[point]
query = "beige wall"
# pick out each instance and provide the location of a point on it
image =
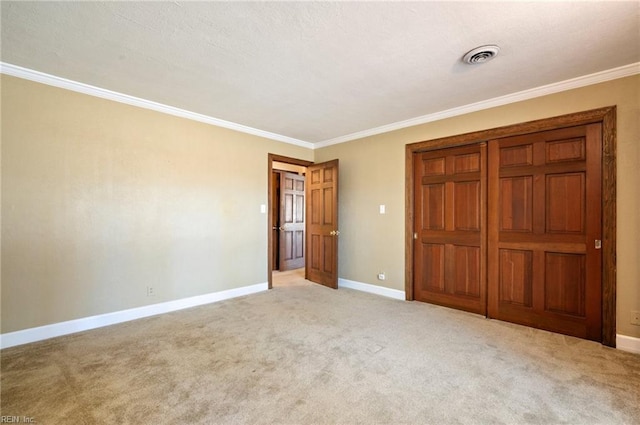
(101, 199)
(372, 173)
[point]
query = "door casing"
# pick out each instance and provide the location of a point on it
(606, 116)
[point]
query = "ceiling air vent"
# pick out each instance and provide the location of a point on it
(481, 54)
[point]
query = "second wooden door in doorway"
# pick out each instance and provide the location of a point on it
(291, 221)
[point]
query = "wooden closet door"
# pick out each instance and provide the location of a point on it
(449, 221)
(544, 225)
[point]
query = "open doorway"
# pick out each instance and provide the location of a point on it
(286, 221)
(288, 210)
(321, 220)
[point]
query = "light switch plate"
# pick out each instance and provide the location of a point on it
(383, 209)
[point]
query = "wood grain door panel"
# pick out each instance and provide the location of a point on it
(292, 221)
(544, 219)
(322, 223)
(545, 270)
(449, 247)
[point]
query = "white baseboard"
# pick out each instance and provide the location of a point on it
(26, 336)
(628, 343)
(374, 289)
(40, 333)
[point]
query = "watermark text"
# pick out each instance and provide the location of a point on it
(6, 419)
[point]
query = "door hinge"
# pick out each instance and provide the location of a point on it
(415, 236)
(598, 244)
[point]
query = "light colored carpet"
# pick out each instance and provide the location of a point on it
(305, 354)
(289, 278)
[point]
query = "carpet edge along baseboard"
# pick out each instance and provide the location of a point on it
(53, 330)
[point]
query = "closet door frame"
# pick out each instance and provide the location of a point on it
(606, 116)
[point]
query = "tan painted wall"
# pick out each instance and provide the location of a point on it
(101, 199)
(372, 173)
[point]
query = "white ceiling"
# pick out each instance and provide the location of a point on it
(318, 71)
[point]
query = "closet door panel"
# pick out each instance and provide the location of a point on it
(450, 205)
(544, 265)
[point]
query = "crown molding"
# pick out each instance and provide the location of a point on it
(52, 80)
(574, 83)
(587, 80)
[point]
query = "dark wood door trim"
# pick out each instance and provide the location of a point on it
(606, 116)
(275, 210)
(271, 158)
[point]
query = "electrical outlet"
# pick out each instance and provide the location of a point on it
(150, 291)
(635, 318)
(381, 276)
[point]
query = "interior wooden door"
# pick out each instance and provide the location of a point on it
(292, 221)
(449, 217)
(322, 224)
(544, 230)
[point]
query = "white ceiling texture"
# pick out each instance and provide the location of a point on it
(317, 73)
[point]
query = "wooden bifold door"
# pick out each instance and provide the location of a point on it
(511, 228)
